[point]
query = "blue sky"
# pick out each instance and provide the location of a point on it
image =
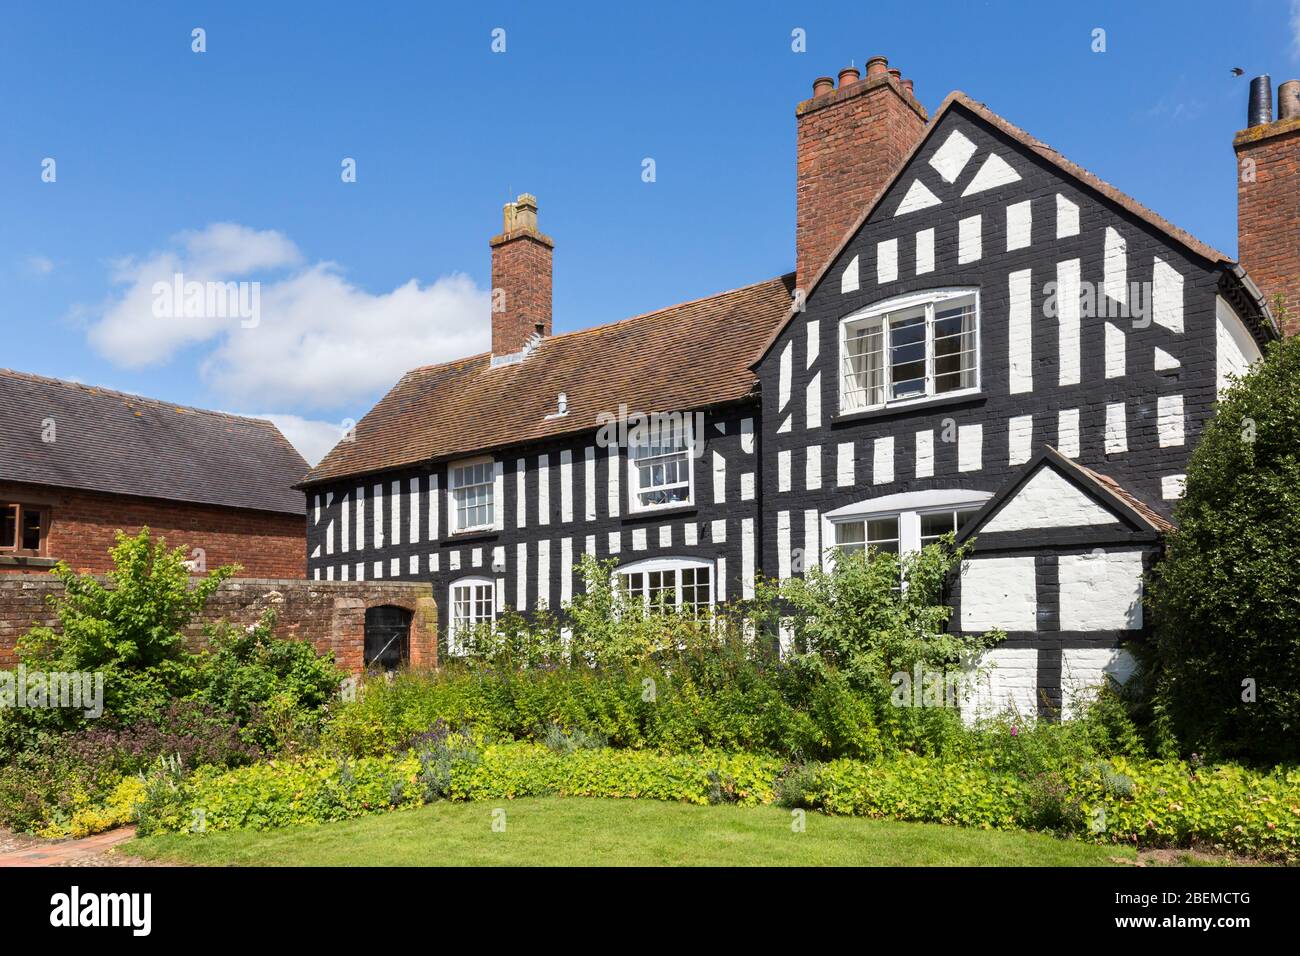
(227, 163)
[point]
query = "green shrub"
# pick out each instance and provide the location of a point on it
(1226, 598)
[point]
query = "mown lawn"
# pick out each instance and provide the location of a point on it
(559, 831)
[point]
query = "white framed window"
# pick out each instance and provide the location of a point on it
(910, 348)
(661, 465)
(473, 494)
(670, 584)
(900, 524)
(473, 601)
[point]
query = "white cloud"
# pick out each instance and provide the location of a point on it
(39, 265)
(312, 438)
(320, 342)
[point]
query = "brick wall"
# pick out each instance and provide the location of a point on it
(850, 141)
(1268, 211)
(331, 614)
(82, 526)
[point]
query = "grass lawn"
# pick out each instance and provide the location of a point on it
(562, 831)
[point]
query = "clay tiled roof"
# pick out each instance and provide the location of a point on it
(124, 444)
(1152, 517)
(685, 357)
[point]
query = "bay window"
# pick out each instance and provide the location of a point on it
(669, 584)
(913, 347)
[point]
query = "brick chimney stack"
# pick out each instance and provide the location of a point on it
(521, 278)
(849, 141)
(1268, 197)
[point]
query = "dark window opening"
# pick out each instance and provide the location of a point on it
(388, 637)
(21, 528)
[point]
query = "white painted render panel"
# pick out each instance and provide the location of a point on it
(1115, 351)
(1101, 591)
(849, 277)
(377, 497)
(718, 530)
(1162, 361)
(1116, 437)
(543, 489)
(612, 493)
(951, 158)
(1172, 487)
(925, 453)
(998, 593)
(413, 509)
(1169, 420)
(813, 401)
(1114, 265)
(1085, 670)
(499, 559)
(1047, 500)
(453, 561)
(498, 495)
(918, 197)
(690, 534)
(1167, 296)
(721, 587)
(786, 376)
(747, 435)
(812, 342)
(995, 172)
(476, 558)
(521, 493)
(1020, 218)
(882, 465)
(924, 251)
(566, 570)
(747, 486)
(359, 495)
(783, 470)
(844, 465)
(1067, 218)
(970, 447)
(969, 239)
(666, 536)
(394, 507)
(413, 566)
(812, 552)
(329, 536)
(345, 529)
(1020, 439)
(783, 545)
(887, 260)
(638, 539)
(1067, 315)
(615, 542)
(1020, 333)
(435, 499)
(544, 572)
(719, 478)
(812, 477)
(566, 485)
(1067, 432)
(746, 558)
(1002, 680)
(589, 483)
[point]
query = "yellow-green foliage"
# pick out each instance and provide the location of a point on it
(117, 811)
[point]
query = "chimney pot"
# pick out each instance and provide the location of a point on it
(1288, 100)
(907, 85)
(897, 75)
(848, 76)
(877, 65)
(1259, 109)
(823, 84)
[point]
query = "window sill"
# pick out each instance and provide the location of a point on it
(473, 534)
(26, 561)
(654, 514)
(901, 409)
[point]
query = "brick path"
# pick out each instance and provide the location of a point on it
(19, 850)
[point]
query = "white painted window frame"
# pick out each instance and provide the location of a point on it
(454, 625)
(676, 565)
(634, 504)
(453, 506)
(877, 310)
(907, 506)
